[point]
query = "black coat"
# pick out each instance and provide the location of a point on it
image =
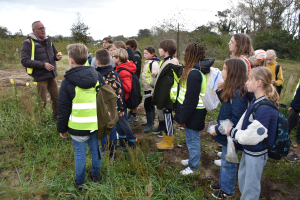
(295, 104)
(44, 52)
(187, 113)
(163, 85)
(83, 77)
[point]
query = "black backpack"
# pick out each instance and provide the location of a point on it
(282, 142)
(135, 94)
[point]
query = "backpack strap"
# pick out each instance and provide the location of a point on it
(254, 111)
(101, 82)
(276, 71)
(150, 66)
(124, 69)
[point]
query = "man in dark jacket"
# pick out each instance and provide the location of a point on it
(42, 63)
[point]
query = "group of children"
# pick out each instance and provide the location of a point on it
(170, 86)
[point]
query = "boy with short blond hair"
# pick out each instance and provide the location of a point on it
(77, 112)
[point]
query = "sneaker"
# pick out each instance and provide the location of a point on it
(221, 194)
(185, 162)
(219, 154)
(215, 186)
(132, 119)
(78, 186)
(293, 158)
(218, 162)
(160, 134)
(96, 179)
(187, 171)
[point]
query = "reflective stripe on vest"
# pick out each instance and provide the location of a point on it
(84, 109)
(296, 90)
(30, 70)
(173, 92)
(182, 92)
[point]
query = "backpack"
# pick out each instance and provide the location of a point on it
(282, 142)
(107, 114)
(211, 100)
(135, 94)
(247, 61)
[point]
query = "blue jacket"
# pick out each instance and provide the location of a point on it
(295, 104)
(187, 113)
(232, 110)
(251, 131)
(83, 77)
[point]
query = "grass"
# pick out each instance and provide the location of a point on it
(37, 164)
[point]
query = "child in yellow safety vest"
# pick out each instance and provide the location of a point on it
(149, 72)
(77, 112)
(190, 111)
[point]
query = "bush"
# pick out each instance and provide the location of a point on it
(285, 44)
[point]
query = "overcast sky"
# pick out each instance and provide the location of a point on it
(105, 17)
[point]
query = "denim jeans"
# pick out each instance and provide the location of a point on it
(227, 173)
(250, 171)
(80, 157)
(123, 127)
(112, 139)
(193, 142)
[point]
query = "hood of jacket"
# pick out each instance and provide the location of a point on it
(32, 36)
(82, 76)
(105, 69)
(205, 65)
(128, 65)
(137, 53)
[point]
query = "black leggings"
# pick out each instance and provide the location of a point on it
(294, 121)
(148, 102)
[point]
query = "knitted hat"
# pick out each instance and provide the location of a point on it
(260, 54)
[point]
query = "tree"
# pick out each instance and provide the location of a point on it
(4, 32)
(79, 30)
(144, 33)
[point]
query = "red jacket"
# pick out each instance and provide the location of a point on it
(126, 76)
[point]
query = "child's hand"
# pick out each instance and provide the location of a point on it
(63, 135)
(290, 109)
(121, 114)
(153, 74)
(182, 125)
(220, 86)
(228, 131)
(213, 133)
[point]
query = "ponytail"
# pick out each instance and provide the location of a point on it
(265, 75)
(272, 95)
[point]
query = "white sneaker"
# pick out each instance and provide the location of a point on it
(185, 162)
(218, 162)
(186, 171)
(219, 154)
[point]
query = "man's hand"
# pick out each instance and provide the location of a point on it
(274, 82)
(290, 109)
(121, 114)
(49, 67)
(63, 135)
(59, 56)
